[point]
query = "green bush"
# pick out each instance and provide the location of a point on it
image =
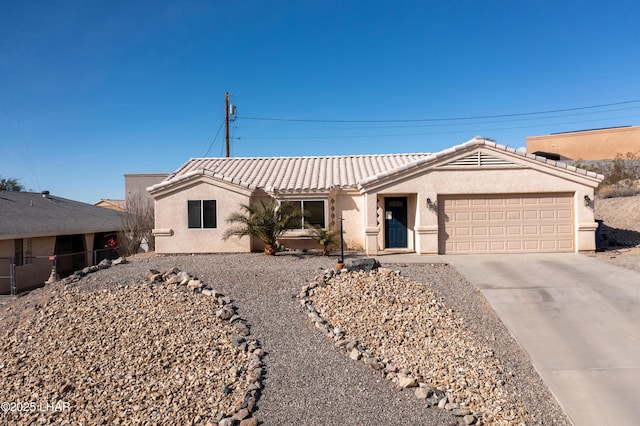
(325, 238)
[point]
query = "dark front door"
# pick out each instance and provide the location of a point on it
(395, 220)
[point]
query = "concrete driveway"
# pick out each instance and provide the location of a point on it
(578, 319)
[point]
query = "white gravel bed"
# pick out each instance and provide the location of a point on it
(308, 381)
(404, 325)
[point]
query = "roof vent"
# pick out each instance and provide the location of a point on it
(45, 194)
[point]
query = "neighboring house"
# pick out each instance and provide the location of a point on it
(117, 205)
(135, 189)
(35, 226)
(598, 144)
(138, 199)
(478, 197)
(136, 184)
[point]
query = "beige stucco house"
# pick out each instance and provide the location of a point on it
(597, 144)
(478, 197)
(136, 184)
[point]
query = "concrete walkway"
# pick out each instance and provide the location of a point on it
(578, 318)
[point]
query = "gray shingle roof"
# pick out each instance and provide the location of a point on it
(29, 214)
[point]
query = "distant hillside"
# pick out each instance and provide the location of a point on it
(621, 176)
(621, 220)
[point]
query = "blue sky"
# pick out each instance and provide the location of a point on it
(92, 90)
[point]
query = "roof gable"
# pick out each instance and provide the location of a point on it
(186, 180)
(483, 153)
(111, 204)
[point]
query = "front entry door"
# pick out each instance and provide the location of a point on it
(395, 215)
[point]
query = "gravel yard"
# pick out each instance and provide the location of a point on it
(628, 258)
(92, 347)
(621, 220)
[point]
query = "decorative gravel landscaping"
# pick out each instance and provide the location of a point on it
(118, 347)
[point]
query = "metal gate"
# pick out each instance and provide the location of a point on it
(8, 266)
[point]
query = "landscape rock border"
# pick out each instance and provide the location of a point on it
(357, 352)
(241, 339)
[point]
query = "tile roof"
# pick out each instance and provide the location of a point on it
(324, 173)
(29, 214)
(480, 141)
(292, 173)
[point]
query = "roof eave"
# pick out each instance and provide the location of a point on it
(178, 182)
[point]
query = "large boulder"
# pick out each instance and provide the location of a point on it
(367, 265)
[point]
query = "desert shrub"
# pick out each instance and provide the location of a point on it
(620, 189)
(137, 225)
(623, 169)
(621, 175)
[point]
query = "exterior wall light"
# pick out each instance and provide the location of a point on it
(587, 200)
(431, 204)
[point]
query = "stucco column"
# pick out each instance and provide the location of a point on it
(371, 228)
(587, 236)
(585, 222)
(427, 239)
(427, 226)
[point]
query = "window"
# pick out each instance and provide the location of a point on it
(313, 213)
(23, 252)
(202, 214)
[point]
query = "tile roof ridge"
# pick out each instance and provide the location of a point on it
(310, 156)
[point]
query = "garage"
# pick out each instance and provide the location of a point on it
(506, 223)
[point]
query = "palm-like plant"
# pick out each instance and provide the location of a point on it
(325, 238)
(266, 221)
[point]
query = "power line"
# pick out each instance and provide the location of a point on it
(214, 138)
(445, 124)
(442, 119)
(423, 133)
(16, 128)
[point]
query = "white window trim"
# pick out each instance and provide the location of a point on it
(202, 227)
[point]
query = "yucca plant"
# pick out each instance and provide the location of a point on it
(265, 221)
(325, 238)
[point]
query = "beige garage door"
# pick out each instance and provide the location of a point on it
(515, 223)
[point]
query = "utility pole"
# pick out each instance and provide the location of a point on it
(226, 122)
(229, 116)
